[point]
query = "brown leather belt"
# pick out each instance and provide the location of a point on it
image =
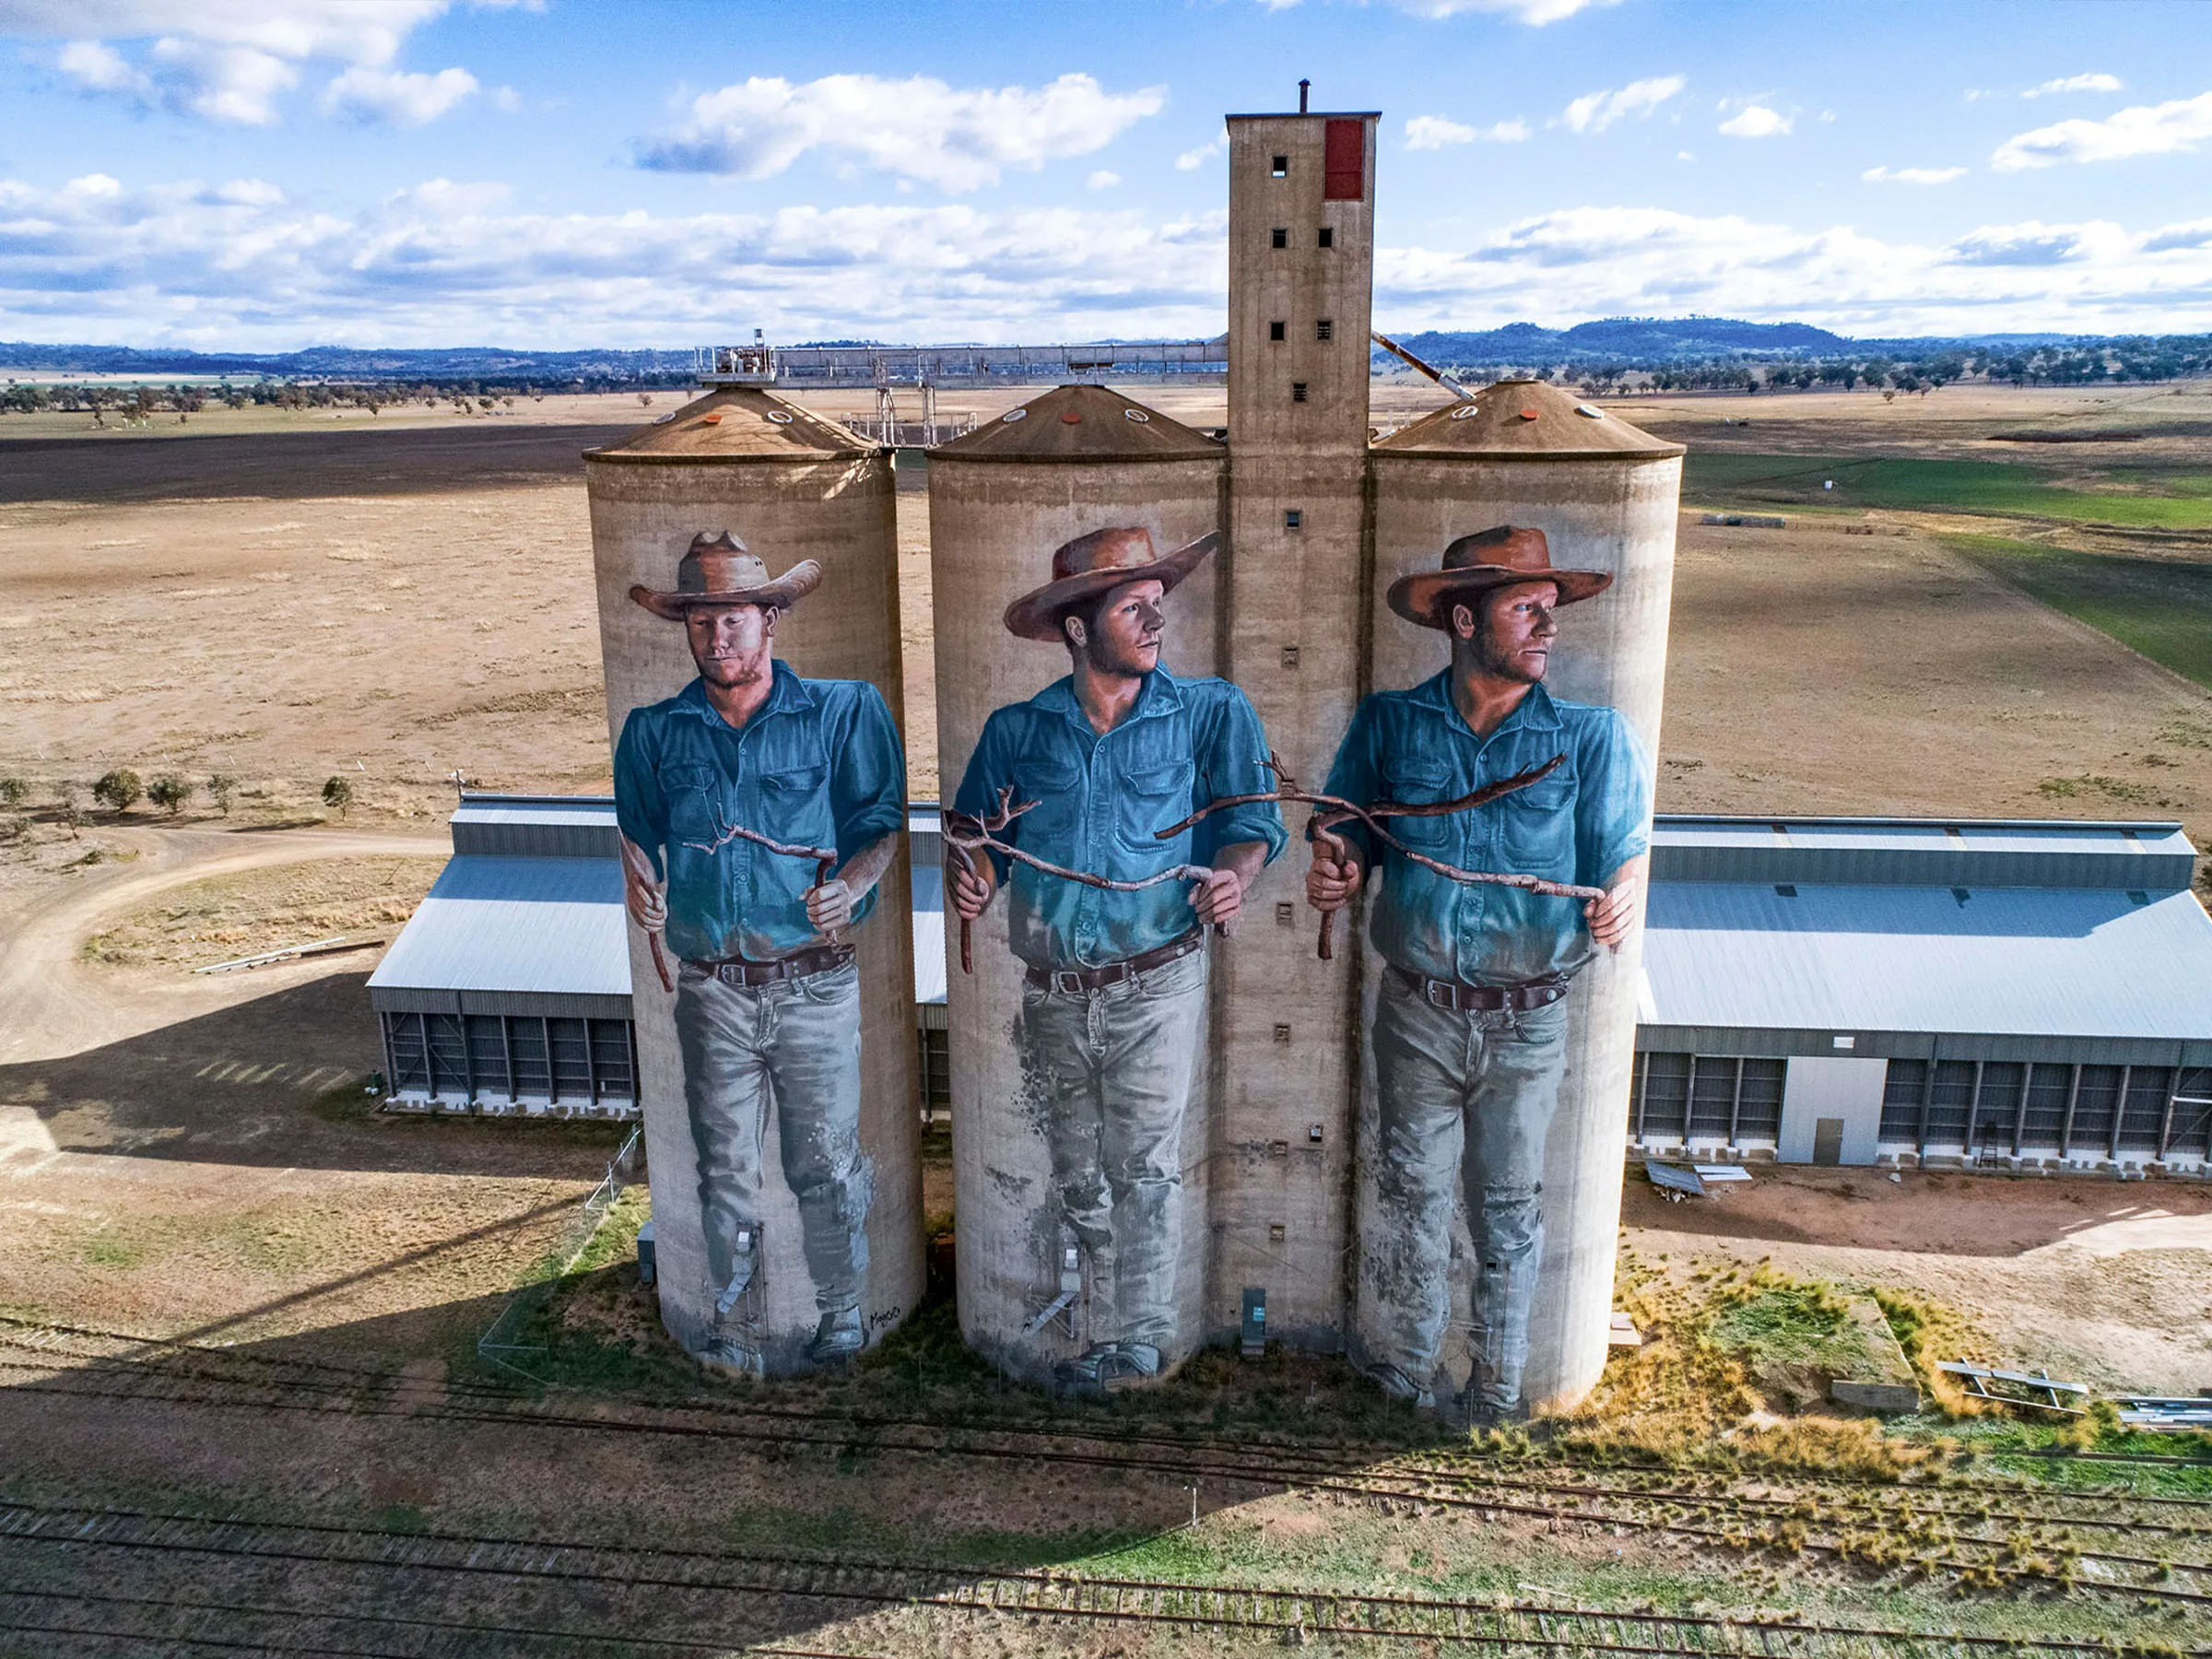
(1457, 998)
(737, 971)
(1071, 981)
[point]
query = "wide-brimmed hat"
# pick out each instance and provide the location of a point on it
(1489, 558)
(719, 570)
(1092, 564)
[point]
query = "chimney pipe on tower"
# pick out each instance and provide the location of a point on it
(1302, 95)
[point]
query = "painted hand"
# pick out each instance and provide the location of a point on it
(645, 898)
(830, 906)
(1218, 898)
(1331, 882)
(1613, 918)
(969, 890)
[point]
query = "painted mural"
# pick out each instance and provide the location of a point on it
(1510, 830)
(1123, 810)
(759, 810)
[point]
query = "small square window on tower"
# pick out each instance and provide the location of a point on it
(1292, 518)
(1275, 331)
(1279, 237)
(1297, 391)
(1281, 169)
(1324, 330)
(1328, 236)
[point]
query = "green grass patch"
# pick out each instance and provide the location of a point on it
(2161, 607)
(2007, 488)
(1795, 1324)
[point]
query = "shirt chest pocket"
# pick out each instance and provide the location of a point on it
(1539, 826)
(1054, 781)
(794, 793)
(1153, 796)
(1416, 781)
(689, 790)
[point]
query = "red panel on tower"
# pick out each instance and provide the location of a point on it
(1344, 161)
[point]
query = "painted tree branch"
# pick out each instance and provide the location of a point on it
(824, 858)
(1332, 812)
(967, 835)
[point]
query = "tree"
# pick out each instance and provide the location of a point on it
(118, 790)
(219, 789)
(169, 792)
(14, 791)
(338, 794)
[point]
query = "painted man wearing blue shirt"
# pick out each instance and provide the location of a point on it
(1470, 1035)
(768, 998)
(1114, 1006)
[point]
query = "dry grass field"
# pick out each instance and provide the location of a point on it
(282, 599)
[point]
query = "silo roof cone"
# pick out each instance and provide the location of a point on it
(1527, 419)
(737, 423)
(1081, 423)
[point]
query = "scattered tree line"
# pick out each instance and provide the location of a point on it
(136, 404)
(120, 789)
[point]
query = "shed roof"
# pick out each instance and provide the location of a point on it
(1528, 421)
(1081, 423)
(2001, 962)
(2153, 855)
(736, 423)
(543, 925)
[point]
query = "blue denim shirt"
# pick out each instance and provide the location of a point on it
(1099, 799)
(820, 764)
(1579, 824)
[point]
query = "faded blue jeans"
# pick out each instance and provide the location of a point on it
(1465, 1103)
(796, 1045)
(1107, 1075)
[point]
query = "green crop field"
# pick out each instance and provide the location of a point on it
(2180, 501)
(2161, 607)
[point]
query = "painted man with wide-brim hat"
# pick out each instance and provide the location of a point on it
(767, 996)
(1114, 1007)
(1470, 1033)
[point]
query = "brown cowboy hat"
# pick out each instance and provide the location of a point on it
(1091, 564)
(1489, 558)
(718, 570)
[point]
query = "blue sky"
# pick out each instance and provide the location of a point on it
(268, 174)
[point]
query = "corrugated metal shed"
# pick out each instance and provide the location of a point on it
(2152, 856)
(509, 934)
(1882, 961)
(536, 826)
(926, 844)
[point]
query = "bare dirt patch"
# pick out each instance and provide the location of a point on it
(225, 917)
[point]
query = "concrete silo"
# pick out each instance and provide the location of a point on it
(791, 486)
(1002, 499)
(1605, 496)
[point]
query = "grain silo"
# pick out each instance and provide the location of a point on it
(802, 1225)
(1604, 494)
(1037, 1276)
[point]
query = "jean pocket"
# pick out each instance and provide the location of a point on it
(1172, 979)
(832, 985)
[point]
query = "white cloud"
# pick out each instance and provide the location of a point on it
(1594, 111)
(1757, 120)
(1191, 161)
(2076, 83)
(1911, 175)
(506, 99)
(403, 98)
(957, 138)
(1101, 180)
(1434, 132)
(2178, 126)
(232, 60)
(1535, 13)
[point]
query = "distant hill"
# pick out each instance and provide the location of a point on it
(1650, 341)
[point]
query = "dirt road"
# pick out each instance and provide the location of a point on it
(50, 1007)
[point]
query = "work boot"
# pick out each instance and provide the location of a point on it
(837, 1337)
(730, 1356)
(1479, 1411)
(1107, 1368)
(1398, 1386)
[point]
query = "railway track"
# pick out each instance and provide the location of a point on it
(2058, 1540)
(409, 1563)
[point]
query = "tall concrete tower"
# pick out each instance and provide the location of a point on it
(1301, 247)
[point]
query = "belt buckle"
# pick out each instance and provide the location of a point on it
(1437, 994)
(1067, 981)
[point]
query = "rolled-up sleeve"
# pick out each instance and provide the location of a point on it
(640, 808)
(1613, 808)
(1355, 776)
(868, 788)
(989, 770)
(1235, 763)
